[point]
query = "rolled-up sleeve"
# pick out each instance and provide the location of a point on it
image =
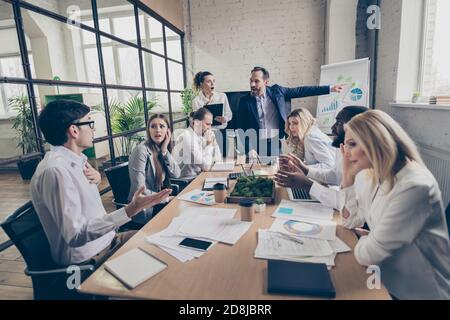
(327, 196)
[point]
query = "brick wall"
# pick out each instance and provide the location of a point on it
(229, 37)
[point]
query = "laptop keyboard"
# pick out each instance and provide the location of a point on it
(235, 175)
(300, 194)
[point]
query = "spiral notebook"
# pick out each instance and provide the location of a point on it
(134, 267)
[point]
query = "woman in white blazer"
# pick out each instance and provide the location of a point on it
(205, 83)
(386, 185)
(307, 142)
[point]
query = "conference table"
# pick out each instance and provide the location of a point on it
(224, 272)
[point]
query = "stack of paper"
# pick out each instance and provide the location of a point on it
(169, 238)
(303, 232)
(291, 210)
(279, 246)
(223, 166)
(210, 182)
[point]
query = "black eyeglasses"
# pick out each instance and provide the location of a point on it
(90, 123)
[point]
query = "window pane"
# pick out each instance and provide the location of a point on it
(173, 45)
(436, 75)
(57, 49)
(159, 102)
(77, 11)
(123, 146)
(92, 97)
(10, 62)
(89, 37)
(155, 71)
(126, 109)
(14, 105)
(121, 64)
(176, 76)
(121, 15)
(151, 33)
(177, 106)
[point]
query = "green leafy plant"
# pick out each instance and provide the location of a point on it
(187, 96)
(125, 117)
(259, 201)
(250, 187)
(23, 123)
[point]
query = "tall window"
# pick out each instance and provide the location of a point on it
(140, 69)
(436, 54)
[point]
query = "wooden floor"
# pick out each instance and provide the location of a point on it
(14, 192)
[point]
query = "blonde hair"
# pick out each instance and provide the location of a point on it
(306, 122)
(387, 146)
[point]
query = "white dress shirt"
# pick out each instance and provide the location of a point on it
(328, 196)
(70, 208)
(408, 238)
(194, 155)
(318, 150)
(217, 98)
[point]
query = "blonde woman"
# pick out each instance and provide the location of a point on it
(205, 83)
(386, 185)
(307, 142)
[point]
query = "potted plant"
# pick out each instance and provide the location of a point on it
(187, 96)
(23, 125)
(260, 205)
(125, 117)
(415, 97)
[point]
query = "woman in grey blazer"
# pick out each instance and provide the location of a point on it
(151, 163)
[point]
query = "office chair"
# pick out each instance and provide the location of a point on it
(24, 229)
(119, 180)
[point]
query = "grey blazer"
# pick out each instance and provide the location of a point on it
(141, 171)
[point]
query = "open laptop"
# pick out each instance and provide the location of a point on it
(300, 195)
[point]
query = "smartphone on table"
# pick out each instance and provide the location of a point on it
(195, 244)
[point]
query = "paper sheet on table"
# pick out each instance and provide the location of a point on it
(208, 211)
(199, 196)
(210, 182)
(308, 228)
(339, 246)
(220, 229)
(223, 166)
(290, 210)
(172, 243)
(328, 260)
(274, 244)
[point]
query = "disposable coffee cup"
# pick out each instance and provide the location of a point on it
(247, 209)
(220, 192)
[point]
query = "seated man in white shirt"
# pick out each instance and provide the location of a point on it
(295, 174)
(67, 202)
(196, 149)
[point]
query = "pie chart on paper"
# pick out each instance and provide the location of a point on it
(301, 228)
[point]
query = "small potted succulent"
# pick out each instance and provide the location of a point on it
(260, 205)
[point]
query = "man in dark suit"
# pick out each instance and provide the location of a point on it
(265, 110)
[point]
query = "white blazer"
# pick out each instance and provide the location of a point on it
(318, 150)
(408, 238)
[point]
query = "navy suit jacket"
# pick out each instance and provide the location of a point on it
(281, 98)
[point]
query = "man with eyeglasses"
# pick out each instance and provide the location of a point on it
(295, 174)
(67, 202)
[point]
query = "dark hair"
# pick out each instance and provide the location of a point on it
(264, 71)
(200, 114)
(352, 111)
(57, 116)
(199, 78)
(157, 157)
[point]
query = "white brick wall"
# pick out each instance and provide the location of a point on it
(230, 37)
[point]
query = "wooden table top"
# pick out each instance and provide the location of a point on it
(224, 272)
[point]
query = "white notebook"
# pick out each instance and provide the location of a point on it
(134, 267)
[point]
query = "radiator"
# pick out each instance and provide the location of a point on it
(438, 162)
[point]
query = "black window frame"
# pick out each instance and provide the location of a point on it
(30, 82)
